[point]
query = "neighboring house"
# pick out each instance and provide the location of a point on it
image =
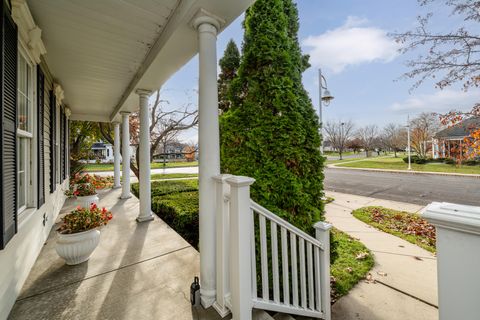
(448, 143)
(171, 151)
(102, 152)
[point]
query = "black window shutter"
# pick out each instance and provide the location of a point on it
(62, 144)
(8, 128)
(67, 148)
(41, 143)
(53, 137)
(65, 145)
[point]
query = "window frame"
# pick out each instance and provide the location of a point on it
(30, 162)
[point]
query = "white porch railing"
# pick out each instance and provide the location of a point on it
(264, 262)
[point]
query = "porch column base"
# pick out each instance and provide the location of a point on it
(222, 311)
(145, 218)
(207, 297)
(125, 197)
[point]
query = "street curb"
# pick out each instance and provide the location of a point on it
(477, 176)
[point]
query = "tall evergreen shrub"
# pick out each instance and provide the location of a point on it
(271, 131)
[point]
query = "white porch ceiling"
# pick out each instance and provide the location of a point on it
(101, 51)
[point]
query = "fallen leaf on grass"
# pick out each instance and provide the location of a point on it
(349, 270)
(361, 255)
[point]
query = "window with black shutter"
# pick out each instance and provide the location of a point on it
(53, 140)
(8, 128)
(41, 143)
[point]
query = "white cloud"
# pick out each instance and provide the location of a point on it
(350, 44)
(440, 101)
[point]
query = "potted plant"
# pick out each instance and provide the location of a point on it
(79, 234)
(102, 184)
(86, 195)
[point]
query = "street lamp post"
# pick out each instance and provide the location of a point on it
(408, 144)
(326, 97)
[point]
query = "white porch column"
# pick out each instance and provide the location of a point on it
(145, 213)
(209, 149)
(125, 155)
(116, 155)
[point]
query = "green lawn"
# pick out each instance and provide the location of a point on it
(94, 167)
(398, 164)
(351, 265)
(405, 225)
(159, 176)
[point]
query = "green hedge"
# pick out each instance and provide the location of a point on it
(179, 211)
(176, 203)
(160, 188)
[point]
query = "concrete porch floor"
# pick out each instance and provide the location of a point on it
(138, 271)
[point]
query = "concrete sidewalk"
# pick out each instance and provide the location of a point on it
(405, 275)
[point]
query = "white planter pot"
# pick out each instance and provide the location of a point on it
(86, 201)
(77, 247)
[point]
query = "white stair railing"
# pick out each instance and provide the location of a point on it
(293, 268)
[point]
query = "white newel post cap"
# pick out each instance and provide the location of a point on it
(323, 226)
(222, 177)
(240, 181)
(453, 216)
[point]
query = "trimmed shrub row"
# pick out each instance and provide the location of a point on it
(418, 160)
(180, 211)
(176, 203)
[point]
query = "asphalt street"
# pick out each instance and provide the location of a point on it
(411, 188)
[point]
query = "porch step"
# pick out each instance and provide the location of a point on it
(283, 316)
(258, 314)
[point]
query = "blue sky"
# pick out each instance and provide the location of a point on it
(348, 40)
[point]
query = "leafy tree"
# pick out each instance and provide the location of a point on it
(229, 64)
(271, 131)
(452, 58)
(355, 144)
(82, 135)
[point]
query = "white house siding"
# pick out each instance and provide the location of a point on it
(17, 259)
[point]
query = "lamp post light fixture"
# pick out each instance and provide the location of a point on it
(325, 97)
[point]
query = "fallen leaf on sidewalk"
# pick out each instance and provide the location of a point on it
(369, 278)
(401, 246)
(381, 273)
(418, 258)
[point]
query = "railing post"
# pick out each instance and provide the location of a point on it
(222, 243)
(458, 258)
(322, 232)
(240, 247)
